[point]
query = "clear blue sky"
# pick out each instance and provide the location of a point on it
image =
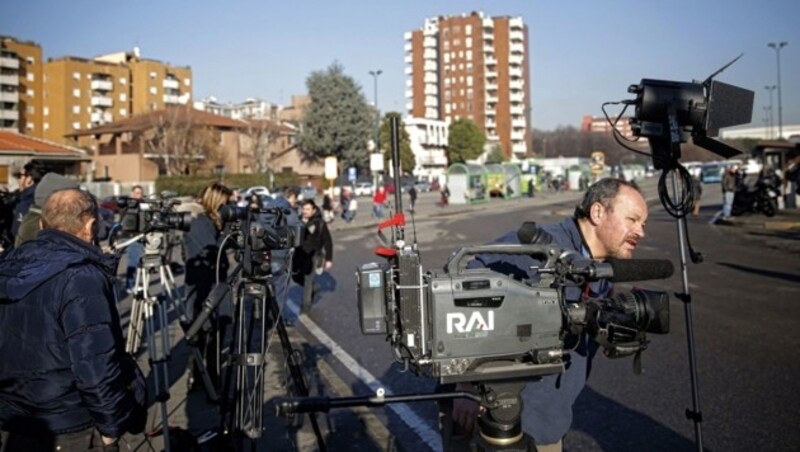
(582, 52)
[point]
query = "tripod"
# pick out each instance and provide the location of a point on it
(256, 314)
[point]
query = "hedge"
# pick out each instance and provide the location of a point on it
(193, 185)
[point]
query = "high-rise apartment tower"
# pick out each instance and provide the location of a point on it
(476, 67)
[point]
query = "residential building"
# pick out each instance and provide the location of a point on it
(249, 109)
(475, 67)
(174, 140)
(600, 124)
(16, 150)
(294, 112)
(21, 91)
(428, 139)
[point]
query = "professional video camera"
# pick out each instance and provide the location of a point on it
(474, 324)
(152, 214)
(259, 229)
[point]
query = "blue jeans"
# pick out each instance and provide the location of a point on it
(727, 203)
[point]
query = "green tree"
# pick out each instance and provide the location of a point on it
(337, 121)
(407, 159)
(496, 155)
(465, 141)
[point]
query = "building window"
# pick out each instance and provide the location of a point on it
(123, 97)
(468, 42)
(76, 109)
(469, 55)
(47, 126)
(153, 90)
(29, 92)
(123, 112)
(76, 92)
(30, 60)
(187, 82)
(468, 29)
(123, 81)
(47, 111)
(469, 80)
(29, 126)
(446, 45)
(152, 75)
(31, 76)
(76, 125)
(31, 109)
(76, 75)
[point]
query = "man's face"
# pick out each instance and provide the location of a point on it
(25, 180)
(136, 193)
(307, 211)
(621, 227)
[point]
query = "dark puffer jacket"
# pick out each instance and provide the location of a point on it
(62, 358)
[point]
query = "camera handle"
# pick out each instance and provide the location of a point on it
(546, 253)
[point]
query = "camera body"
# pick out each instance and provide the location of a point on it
(152, 214)
(259, 230)
(466, 324)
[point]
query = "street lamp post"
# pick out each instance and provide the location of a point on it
(375, 75)
(778, 47)
(771, 121)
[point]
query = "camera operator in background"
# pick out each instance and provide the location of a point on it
(64, 370)
(135, 250)
(206, 265)
(31, 222)
(608, 223)
(30, 175)
(315, 255)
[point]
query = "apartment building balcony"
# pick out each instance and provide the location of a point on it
(517, 135)
(516, 59)
(490, 61)
(9, 62)
(491, 83)
(492, 136)
(516, 97)
(431, 101)
(102, 101)
(407, 47)
(171, 83)
(515, 23)
(9, 79)
(171, 99)
(431, 90)
(102, 117)
(489, 112)
(516, 35)
(429, 54)
(517, 110)
(408, 59)
(488, 48)
(490, 123)
(407, 35)
(10, 115)
(516, 47)
(11, 97)
(515, 72)
(409, 93)
(519, 148)
(432, 113)
(429, 42)
(102, 85)
(430, 77)
(430, 66)
(409, 106)
(409, 70)
(518, 123)
(516, 84)
(488, 23)
(492, 98)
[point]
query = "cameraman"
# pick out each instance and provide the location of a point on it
(201, 249)
(64, 371)
(608, 223)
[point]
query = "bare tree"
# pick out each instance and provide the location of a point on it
(179, 143)
(260, 143)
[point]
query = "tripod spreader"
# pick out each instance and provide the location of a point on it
(288, 406)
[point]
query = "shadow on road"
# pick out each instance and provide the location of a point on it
(791, 277)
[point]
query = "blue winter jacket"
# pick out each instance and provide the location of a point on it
(547, 411)
(62, 359)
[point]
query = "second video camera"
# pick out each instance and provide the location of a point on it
(152, 215)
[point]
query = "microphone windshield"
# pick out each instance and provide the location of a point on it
(629, 270)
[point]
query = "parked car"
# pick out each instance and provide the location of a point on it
(363, 189)
(259, 190)
(711, 173)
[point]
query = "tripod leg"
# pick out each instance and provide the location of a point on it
(158, 348)
(137, 318)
